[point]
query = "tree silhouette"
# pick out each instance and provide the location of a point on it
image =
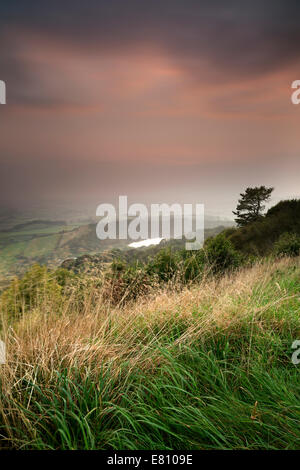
(250, 205)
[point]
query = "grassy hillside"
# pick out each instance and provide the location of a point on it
(207, 366)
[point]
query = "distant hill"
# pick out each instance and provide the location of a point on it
(36, 224)
(259, 237)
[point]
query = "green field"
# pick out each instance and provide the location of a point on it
(28, 243)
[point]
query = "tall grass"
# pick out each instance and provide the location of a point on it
(207, 367)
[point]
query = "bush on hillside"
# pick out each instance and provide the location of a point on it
(220, 254)
(193, 265)
(165, 265)
(287, 245)
(123, 282)
(36, 288)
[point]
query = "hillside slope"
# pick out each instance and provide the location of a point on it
(258, 238)
(208, 367)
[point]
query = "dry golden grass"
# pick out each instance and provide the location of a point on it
(101, 333)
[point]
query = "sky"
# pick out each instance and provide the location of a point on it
(163, 101)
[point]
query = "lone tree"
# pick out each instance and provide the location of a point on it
(250, 206)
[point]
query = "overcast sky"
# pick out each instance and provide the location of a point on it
(161, 100)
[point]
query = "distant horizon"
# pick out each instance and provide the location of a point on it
(88, 211)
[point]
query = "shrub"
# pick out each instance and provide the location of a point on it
(38, 287)
(220, 254)
(125, 283)
(164, 265)
(193, 265)
(288, 244)
(35, 288)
